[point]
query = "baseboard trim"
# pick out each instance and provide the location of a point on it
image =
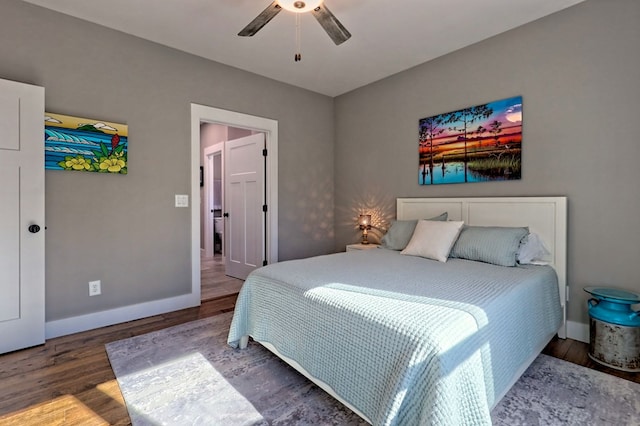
(95, 320)
(575, 330)
(578, 331)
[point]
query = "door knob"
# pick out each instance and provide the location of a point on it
(226, 214)
(34, 229)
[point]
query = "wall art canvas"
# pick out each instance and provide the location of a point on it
(84, 144)
(476, 144)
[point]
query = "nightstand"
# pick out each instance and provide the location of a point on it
(360, 246)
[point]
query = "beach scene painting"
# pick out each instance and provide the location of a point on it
(476, 144)
(84, 144)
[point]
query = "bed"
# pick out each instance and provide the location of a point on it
(404, 340)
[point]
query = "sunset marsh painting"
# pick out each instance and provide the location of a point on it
(476, 144)
(84, 144)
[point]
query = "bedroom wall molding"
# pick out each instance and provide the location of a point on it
(91, 321)
(578, 331)
(575, 330)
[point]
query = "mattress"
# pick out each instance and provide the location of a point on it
(404, 340)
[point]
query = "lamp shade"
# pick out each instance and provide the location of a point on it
(365, 220)
(299, 6)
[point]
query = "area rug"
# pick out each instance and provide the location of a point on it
(556, 392)
(188, 375)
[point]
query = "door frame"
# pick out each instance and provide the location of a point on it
(207, 114)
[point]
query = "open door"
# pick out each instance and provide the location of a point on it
(21, 216)
(244, 203)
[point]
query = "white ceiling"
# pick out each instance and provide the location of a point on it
(387, 36)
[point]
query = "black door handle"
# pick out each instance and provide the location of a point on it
(34, 229)
(226, 214)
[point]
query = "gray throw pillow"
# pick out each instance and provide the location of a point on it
(490, 244)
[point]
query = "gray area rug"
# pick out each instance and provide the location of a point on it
(188, 375)
(556, 392)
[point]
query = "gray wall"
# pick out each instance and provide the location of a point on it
(124, 230)
(578, 74)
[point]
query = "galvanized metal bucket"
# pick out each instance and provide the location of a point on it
(614, 328)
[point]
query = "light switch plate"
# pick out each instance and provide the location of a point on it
(182, 200)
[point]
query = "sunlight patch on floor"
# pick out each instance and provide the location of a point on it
(112, 390)
(183, 387)
(64, 410)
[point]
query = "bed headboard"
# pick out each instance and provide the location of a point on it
(546, 216)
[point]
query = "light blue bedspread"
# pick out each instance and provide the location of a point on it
(405, 340)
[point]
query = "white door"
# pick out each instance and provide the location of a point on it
(21, 216)
(244, 198)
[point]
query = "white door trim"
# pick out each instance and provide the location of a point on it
(207, 114)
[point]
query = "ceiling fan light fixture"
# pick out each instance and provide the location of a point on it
(298, 6)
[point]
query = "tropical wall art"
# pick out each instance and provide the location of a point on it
(84, 144)
(476, 144)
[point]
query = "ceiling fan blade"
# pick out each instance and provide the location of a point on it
(261, 20)
(331, 25)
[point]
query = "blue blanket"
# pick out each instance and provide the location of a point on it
(405, 340)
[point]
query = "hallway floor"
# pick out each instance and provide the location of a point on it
(214, 282)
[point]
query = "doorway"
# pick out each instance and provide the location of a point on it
(214, 282)
(218, 277)
(208, 227)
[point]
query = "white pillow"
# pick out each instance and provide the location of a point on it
(532, 251)
(433, 240)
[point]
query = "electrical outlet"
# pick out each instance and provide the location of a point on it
(94, 288)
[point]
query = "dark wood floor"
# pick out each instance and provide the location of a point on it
(578, 353)
(69, 381)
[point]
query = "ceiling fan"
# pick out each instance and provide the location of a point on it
(327, 20)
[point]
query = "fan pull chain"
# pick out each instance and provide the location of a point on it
(298, 56)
